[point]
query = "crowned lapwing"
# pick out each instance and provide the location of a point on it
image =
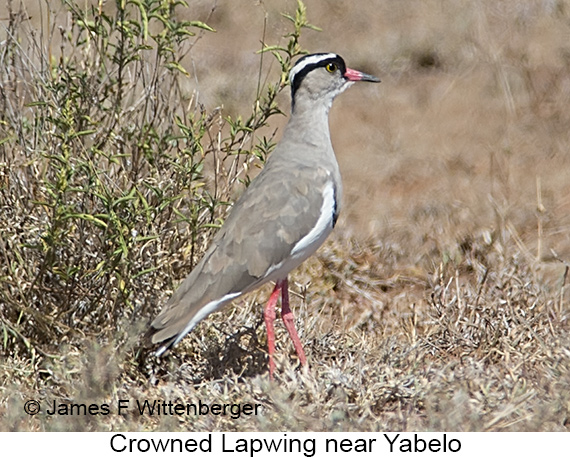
(280, 220)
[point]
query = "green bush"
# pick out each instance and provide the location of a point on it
(108, 191)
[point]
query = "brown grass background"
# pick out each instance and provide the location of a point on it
(440, 302)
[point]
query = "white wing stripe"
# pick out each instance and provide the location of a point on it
(204, 311)
(323, 226)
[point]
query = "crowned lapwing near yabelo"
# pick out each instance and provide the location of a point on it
(280, 220)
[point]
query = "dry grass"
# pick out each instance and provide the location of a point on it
(441, 301)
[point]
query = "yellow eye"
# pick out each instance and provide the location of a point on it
(331, 67)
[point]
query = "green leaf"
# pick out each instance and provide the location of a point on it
(177, 66)
(144, 17)
(202, 25)
(86, 217)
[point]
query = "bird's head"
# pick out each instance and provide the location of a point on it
(322, 77)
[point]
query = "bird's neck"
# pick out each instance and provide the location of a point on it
(309, 121)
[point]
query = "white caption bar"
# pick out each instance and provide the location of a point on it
(285, 444)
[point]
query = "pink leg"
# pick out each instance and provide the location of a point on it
(269, 317)
(289, 320)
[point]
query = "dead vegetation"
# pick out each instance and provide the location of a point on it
(441, 301)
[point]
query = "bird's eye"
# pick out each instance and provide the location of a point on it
(331, 67)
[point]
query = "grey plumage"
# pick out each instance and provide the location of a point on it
(281, 218)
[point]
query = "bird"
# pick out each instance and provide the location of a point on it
(279, 221)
